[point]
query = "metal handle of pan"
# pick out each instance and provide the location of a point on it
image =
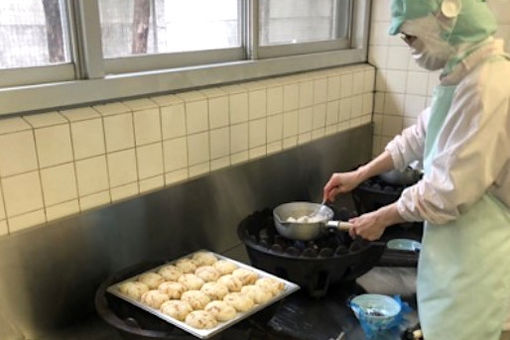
(344, 226)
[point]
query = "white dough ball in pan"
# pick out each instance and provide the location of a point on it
(186, 265)
(246, 276)
(177, 309)
(196, 299)
(233, 283)
(215, 290)
(152, 280)
(225, 267)
(240, 302)
(257, 294)
(201, 319)
(221, 310)
(154, 298)
(170, 272)
(173, 289)
(191, 281)
(204, 258)
(133, 289)
(270, 284)
(207, 273)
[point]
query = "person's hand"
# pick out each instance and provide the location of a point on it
(371, 226)
(340, 183)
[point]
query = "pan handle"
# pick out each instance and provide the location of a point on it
(340, 225)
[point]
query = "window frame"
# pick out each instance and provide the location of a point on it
(93, 84)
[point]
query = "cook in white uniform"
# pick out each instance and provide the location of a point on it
(463, 140)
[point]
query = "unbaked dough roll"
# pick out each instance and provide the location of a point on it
(221, 310)
(215, 290)
(177, 309)
(201, 319)
(207, 273)
(233, 283)
(154, 298)
(240, 302)
(196, 299)
(173, 289)
(204, 258)
(225, 267)
(152, 280)
(191, 281)
(270, 284)
(246, 276)
(186, 265)
(133, 289)
(170, 272)
(257, 294)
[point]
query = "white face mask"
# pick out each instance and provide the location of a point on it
(428, 57)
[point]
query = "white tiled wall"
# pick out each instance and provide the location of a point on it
(403, 89)
(56, 164)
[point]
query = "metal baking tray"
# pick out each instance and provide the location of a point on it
(206, 333)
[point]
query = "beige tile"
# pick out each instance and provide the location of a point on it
(230, 89)
(218, 112)
(40, 120)
(22, 193)
(150, 160)
(274, 147)
(238, 106)
(274, 128)
(290, 123)
(238, 138)
(124, 191)
(176, 176)
(92, 175)
(82, 113)
(62, 210)
(17, 153)
(257, 104)
(357, 106)
(119, 132)
(358, 83)
(213, 92)
(88, 138)
(173, 121)
(239, 157)
(331, 129)
(274, 100)
(319, 116)
(147, 126)
(346, 85)
(112, 108)
(220, 163)
(169, 99)
(122, 167)
(59, 184)
(305, 118)
(345, 109)
(175, 153)
(198, 148)
(53, 145)
(197, 119)
(368, 103)
(289, 142)
(94, 200)
(2, 209)
(257, 152)
(306, 93)
(140, 104)
(199, 169)
(220, 142)
(332, 112)
(191, 96)
(320, 90)
(151, 184)
(333, 88)
(26, 220)
(290, 97)
(319, 133)
(4, 230)
(304, 138)
(15, 124)
(257, 132)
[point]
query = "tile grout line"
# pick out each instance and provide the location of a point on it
(40, 176)
(106, 161)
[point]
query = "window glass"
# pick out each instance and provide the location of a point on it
(301, 21)
(33, 33)
(131, 27)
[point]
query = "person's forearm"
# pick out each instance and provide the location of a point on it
(378, 165)
(389, 215)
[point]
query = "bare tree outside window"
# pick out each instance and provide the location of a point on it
(141, 18)
(54, 31)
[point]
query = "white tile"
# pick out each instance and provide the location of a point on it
(197, 119)
(378, 56)
(290, 97)
(368, 103)
(15, 124)
(379, 102)
(94, 200)
(378, 33)
(53, 145)
(119, 132)
(257, 152)
(306, 93)
(2, 210)
(59, 184)
(320, 90)
(140, 104)
(358, 79)
(112, 108)
(4, 230)
(238, 108)
(124, 191)
(414, 105)
(331, 129)
(166, 100)
(319, 116)
(218, 112)
(304, 137)
(346, 85)
(332, 112)
(82, 113)
(319, 133)
(147, 126)
(345, 109)
(220, 163)
(92, 175)
(88, 138)
(396, 81)
(176, 176)
(333, 88)
(274, 100)
(394, 104)
(274, 147)
(26, 220)
(22, 193)
(191, 96)
(257, 104)
(150, 160)
(381, 10)
(369, 80)
(289, 142)
(122, 167)
(398, 58)
(151, 184)
(220, 142)
(274, 128)
(380, 80)
(392, 125)
(239, 157)
(305, 119)
(198, 148)
(417, 83)
(378, 124)
(39, 120)
(238, 137)
(173, 121)
(257, 132)
(199, 169)
(175, 152)
(290, 123)
(62, 210)
(213, 92)
(17, 153)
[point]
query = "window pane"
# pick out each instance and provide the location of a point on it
(33, 33)
(301, 21)
(132, 27)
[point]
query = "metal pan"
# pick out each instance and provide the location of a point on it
(305, 231)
